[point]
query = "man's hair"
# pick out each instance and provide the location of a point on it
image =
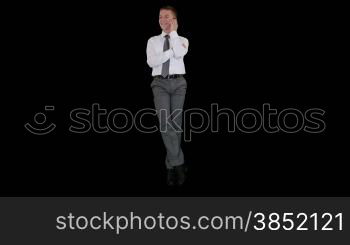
(171, 8)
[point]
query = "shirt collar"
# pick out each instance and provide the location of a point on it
(163, 34)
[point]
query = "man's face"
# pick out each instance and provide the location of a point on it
(165, 17)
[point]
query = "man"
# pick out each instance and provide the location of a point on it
(165, 55)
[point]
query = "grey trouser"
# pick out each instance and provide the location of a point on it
(169, 97)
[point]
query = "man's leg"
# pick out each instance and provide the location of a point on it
(177, 100)
(162, 100)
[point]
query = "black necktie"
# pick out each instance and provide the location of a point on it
(165, 67)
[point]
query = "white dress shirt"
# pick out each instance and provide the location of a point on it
(156, 56)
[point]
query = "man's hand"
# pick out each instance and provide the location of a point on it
(173, 25)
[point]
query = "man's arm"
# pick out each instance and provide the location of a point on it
(155, 59)
(180, 47)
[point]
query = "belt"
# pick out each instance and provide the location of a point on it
(173, 76)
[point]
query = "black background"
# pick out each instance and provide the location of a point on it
(240, 56)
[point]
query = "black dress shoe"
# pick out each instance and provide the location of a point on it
(180, 174)
(171, 177)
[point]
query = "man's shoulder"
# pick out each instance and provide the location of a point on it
(154, 37)
(183, 38)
